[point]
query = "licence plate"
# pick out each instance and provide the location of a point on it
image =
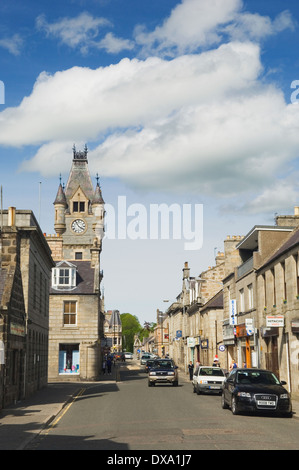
(266, 403)
(215, 386)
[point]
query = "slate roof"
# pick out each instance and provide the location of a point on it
(84, 281)
(214, 302)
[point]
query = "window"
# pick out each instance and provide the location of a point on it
(64, 275)
(79, 255)
(69, 313)
(250, 296)
(78, 206)
(242, 306)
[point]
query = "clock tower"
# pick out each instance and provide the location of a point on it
(79, 211)
(76, 308)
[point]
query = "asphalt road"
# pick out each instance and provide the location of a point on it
(128, 415)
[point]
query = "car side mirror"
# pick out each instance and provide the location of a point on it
(283, 382)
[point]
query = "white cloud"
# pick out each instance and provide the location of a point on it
(12, 44)
(200, 122)
(82, 32)
(81, 103)
(195, 24)
(191, 24)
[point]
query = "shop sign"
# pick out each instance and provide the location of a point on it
(232, 312)
(295, 326)
(191, 342)
(241, 330)
(17, 329)
(204, 344)
(274, 321)
(249, 326)
(178, 334)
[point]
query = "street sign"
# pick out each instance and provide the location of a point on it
(222, 347)
(274, 320)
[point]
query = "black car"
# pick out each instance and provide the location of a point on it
(255, 390)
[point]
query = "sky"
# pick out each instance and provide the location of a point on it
(187, 104)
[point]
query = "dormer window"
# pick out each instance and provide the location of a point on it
(64, 275)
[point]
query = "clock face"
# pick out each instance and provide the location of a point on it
(78, 226)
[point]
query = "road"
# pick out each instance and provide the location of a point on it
(129, 415)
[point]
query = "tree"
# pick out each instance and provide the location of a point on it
(130, 327)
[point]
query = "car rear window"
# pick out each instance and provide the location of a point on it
(211, 371)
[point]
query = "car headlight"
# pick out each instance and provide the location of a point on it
(152, 373)
(203, 381)
(284, 396)
(170, 373)
(244, 394)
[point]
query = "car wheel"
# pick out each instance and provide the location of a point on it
(175, 384)
(234, 406)
(194, 389)
(223, 402)
(197, 390)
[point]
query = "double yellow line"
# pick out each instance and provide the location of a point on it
(56, 421)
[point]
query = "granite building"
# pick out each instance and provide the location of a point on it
(25, 273)
(76, 317)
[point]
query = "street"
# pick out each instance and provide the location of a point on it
(129, 415)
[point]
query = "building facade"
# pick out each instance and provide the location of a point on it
(112, 341)
(25, 276)
(76, 316)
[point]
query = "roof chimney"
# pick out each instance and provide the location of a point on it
(11, 216)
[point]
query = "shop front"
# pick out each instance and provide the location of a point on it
(246, 346)
(69, 359)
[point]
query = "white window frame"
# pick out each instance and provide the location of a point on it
(63, 273)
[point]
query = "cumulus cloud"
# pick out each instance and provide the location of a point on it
(82, 32)
(197, 24)
(201, 121)
(81, 103)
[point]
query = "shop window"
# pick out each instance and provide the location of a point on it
(69, 359)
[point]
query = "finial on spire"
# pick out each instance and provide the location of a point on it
(79, 154)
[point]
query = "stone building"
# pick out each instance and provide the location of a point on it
(76, 316)
(241, 326)
(112, 341)
(278, 311)
(25, 275)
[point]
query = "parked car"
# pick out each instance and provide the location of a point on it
(163, 371)
(128, 355)
(208, 380)
(255, 390)
(145, 357)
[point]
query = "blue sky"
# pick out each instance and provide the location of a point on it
(180, 102)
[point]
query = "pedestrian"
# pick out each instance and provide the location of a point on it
(104, 367)
(233, 365)
(191, 367)
(109, 364)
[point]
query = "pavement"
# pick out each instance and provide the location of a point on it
(22, 422)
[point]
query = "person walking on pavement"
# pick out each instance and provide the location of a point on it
(104, 367)
(233, 365)
(191, 367)
(109, 364)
